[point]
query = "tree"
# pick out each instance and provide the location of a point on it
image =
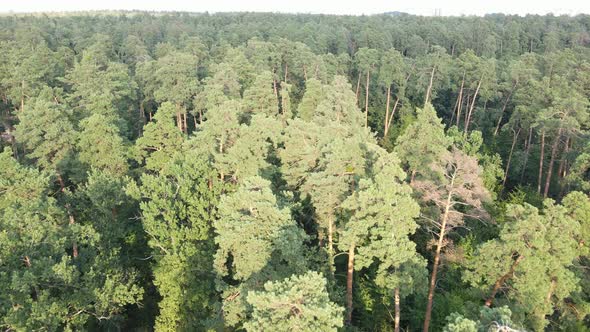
(259, 98)
(44, 284)
(393, 70)
(490, 319)
(533, 256)
(312, 97)
(257, 240)
(455, 182)
(366, 60)
(177, 211)
(176, 75)
(101, 145)
(101, 86)
(382, 213)
(160, 140)
(418, 151)
(298, 303)
(47, 134)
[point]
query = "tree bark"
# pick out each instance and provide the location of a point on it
(367, 100)
(554, 148)
(514, 138)
(472, 105)
(541, 157)
(460, 99)
(391, 115)
(349, 276)
(504, 108)
(500, 282)
(397, 310)
(436, 262)
(428, 91)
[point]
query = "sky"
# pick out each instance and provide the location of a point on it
(348, 7)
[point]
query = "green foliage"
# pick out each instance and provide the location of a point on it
(178, 208)
(299, 303)
(161, 139)
(257, 240)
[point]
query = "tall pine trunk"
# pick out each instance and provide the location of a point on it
(436, 262)
(504, 108)
(397, 310)
(472, 105)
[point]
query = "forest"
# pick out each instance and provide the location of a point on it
(294, 172)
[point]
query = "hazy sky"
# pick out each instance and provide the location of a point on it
(356, 7)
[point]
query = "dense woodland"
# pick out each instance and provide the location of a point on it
(270, 172)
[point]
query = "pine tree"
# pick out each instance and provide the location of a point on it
(178, 208)
(418, 151)
(101, 145)
(298, 303)
(257, 241)
(160, 141)
(382, 217)
(533, 257)
(456, 185)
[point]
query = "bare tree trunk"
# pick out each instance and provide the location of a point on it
(460, 99)
(504, 108)
(349, 276)
(500, 282)
(472, 105)
(526, 153)
(397, 310)
(386, 122)
(514, 138)
(391, 115)
(185, 124)
(274, 87)
(541, 157)
(428, 91)
(367, 100)
(436, 262)
(554, 149)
